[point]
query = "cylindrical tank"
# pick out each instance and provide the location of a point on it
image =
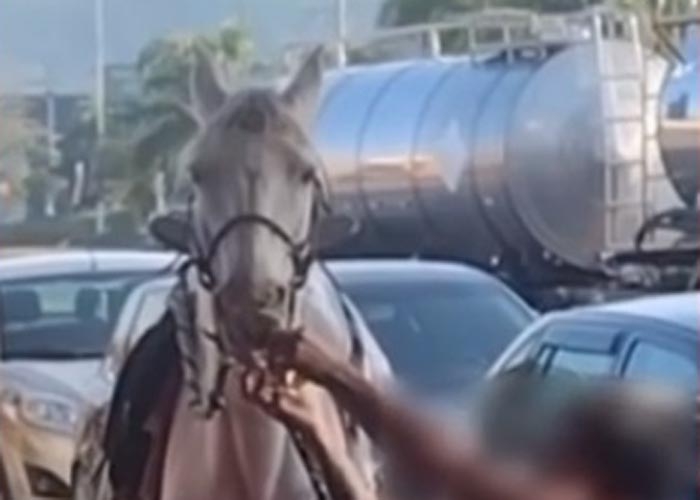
(499, 161)
(680, 120)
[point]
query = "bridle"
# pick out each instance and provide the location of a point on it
(301, 252)
(302, 256)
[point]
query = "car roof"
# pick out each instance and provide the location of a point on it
(59, 262)
(678, 309)
(406, 270)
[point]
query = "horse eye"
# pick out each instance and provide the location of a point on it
(308, 176)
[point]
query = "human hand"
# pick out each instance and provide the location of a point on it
(281, 399)
(292, 352)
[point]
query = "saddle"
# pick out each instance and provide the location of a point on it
(150, 377)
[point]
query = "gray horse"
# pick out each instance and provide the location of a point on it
(255, 216)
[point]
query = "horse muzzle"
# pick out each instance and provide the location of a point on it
(245, 296)
(257, 309)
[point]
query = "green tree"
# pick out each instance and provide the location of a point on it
(162, 118)
(22, 146)
(16, 129)
(145, 135)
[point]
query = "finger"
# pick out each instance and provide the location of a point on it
(251, 383)
(268, 392)
(291, 378)
(295, 409)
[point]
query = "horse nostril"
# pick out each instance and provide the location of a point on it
(271, 297)
(278, 294)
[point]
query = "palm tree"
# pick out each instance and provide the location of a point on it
(162, 118)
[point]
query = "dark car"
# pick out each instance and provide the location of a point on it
(651, 339)
(440, 324)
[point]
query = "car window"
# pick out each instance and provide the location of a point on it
(440, 337)
(585, 363)
(61, 317)
(580, 348)
(653, 363)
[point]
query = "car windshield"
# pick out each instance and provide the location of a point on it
(440, 338)
(66, 317)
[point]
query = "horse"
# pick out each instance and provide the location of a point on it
(179, 426)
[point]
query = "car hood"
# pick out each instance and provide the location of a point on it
(76, 380)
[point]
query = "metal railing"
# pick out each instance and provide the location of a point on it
(500, 30)
(625, 183)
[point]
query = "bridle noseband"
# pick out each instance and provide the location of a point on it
(300, 252)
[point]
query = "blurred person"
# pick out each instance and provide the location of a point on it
(613, 442)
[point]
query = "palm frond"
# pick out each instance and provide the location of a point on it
(165, 136)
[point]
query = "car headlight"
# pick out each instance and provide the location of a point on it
(41, 410)
(9, 402)
(50, 413)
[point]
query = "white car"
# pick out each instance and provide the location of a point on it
(58, 313)
(55, 379)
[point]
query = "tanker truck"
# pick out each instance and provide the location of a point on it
(537, 156)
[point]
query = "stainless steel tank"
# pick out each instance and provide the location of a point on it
(498, 162)
(680, 120)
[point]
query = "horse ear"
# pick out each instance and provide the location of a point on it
(303, 91)
(332, 230)
(172, 231)
(208, 95)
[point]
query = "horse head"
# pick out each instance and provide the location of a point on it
(258, 190)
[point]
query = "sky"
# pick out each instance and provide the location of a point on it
(53, 40)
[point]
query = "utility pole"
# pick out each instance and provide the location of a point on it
(100, 67)
(50, 120)
(99, 106)
(341, 31)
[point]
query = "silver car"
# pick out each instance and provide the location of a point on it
(58, 313)
(652, 339)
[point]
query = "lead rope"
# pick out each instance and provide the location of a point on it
(302, 258)
(308, 459)
(318, 481)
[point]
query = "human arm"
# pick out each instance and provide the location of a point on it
(421, 445)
